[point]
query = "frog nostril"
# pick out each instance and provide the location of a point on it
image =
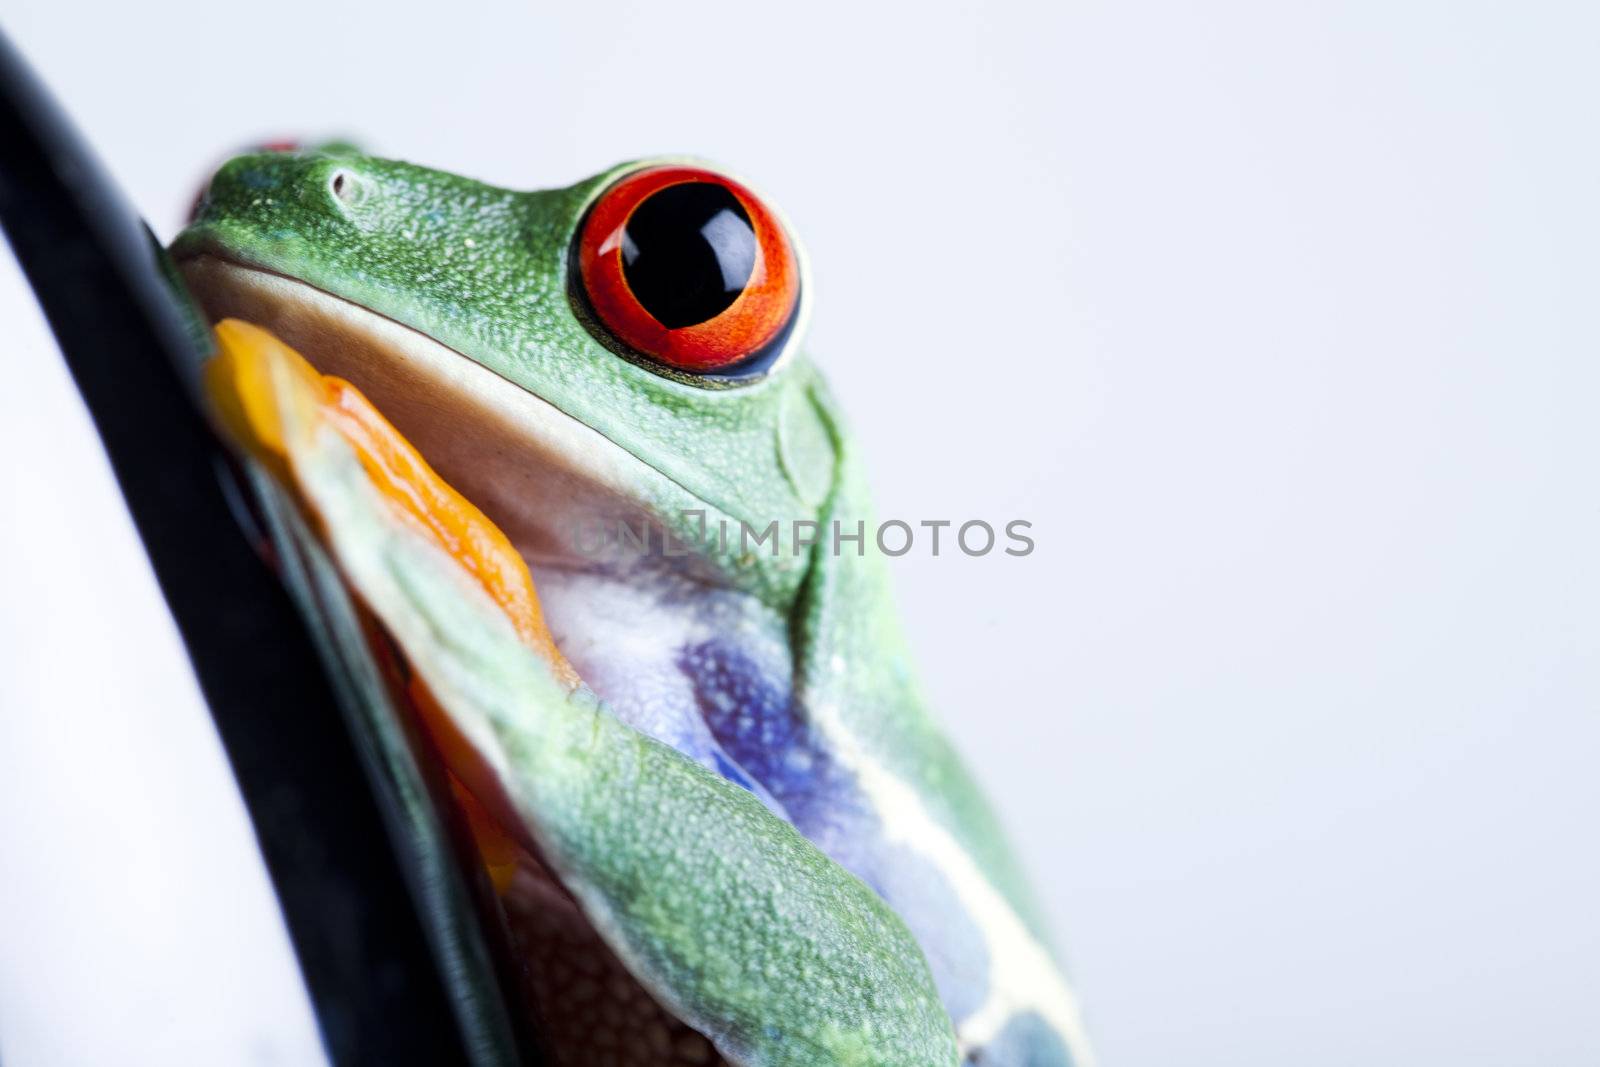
(345, 188)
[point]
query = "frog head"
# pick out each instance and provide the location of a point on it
(610, 370)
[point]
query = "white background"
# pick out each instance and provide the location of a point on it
(1276, 320)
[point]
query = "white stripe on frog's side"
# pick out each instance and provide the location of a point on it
(1022, 976)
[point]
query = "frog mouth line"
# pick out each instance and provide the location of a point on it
(539, 473)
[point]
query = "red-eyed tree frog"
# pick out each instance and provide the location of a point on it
(721, 820)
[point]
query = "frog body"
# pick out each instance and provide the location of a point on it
(759, 782)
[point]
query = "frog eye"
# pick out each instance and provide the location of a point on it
(689, 269)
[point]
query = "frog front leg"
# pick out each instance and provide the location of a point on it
(733, 921)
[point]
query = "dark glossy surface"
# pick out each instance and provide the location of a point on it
(385, 967)
(687, 252)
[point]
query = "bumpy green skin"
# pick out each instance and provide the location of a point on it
(734, 919)
(853, 655)
(484, 271)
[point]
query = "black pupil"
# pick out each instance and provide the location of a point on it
(687, 252)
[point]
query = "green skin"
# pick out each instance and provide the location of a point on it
(766, 941)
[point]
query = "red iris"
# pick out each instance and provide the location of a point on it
(689, 268)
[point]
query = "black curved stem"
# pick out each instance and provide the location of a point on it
(367, 946)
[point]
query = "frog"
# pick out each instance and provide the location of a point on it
(736, 832)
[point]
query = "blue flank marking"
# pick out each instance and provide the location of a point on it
(731, 772)
(752, 715)
(754, 718)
